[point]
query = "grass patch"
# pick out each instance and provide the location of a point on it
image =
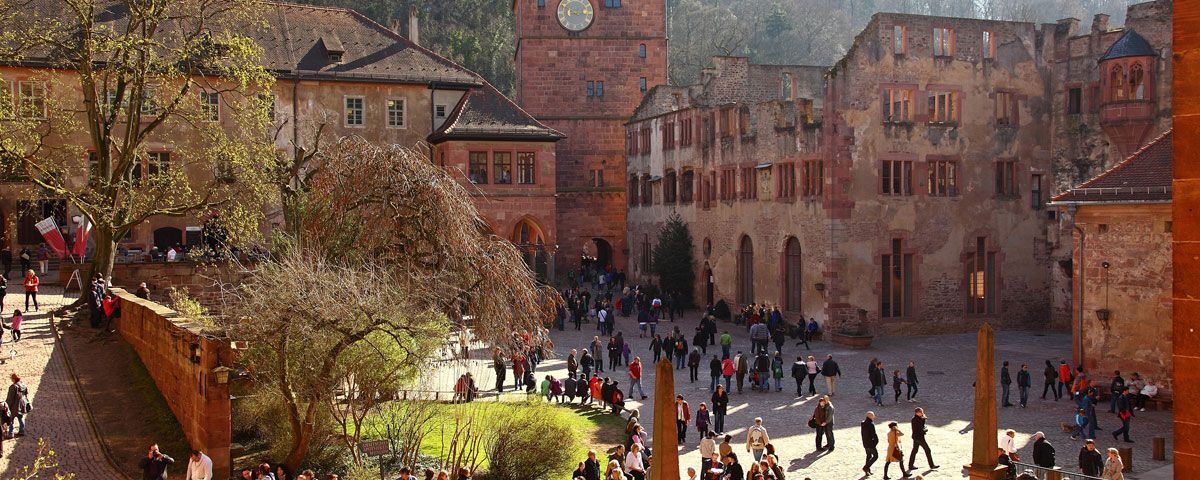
(594, 429)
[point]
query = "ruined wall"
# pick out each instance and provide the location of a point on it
(181, 358)
(1080, 147)
(1135, 240)
(939, 231)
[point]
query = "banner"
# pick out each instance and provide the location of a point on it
(81, 237)
(54, 238)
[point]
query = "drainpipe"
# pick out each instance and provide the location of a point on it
(1082, 238)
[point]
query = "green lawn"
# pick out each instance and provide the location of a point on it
(594, 429)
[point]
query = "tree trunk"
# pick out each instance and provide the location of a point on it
(302, 433)
(102, 259)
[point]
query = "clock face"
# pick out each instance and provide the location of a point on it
(575, 15)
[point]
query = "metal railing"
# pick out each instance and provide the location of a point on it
(1043, 473)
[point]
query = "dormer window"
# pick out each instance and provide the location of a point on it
(334, 50)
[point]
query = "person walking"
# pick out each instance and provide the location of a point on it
(708, 448)
(1064, 379)
(1089, 409)
(757, 439)
(799, 371)
(598, 353)
(870, 440)
(1043, 451)
(777, 371)
(656, 347)
(1118, 383)
(714, 371)
(1090, 460)
(1113, 467)
(18, 404)
(813, 370)
(1124, 412)
(830, 370)
(762, 367)
(743, 366)
(681, 352)
(1023, 384)
(727, 369)
(726, 343)
(1005, 381)
(683, 415)
(895, 451)
(31, 283)
(1051, 375)
(154, 465)
(918, 433)
(720, 401)
(911, 379)
(15, 324)
(875, 375)
(693, 363)
(823, 420)
(703, 421)
(501, 369)
(896, 381)
(635, 377)
(587, 362)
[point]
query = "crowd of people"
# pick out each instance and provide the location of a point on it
(762, 369)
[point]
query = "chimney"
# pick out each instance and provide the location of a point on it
(1100, 23)
(414, 34)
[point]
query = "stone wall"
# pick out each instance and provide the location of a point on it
(1135, 241)
(181, 357)
(202, 280)
(1186, 239)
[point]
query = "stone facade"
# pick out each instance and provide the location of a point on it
(586, 84)
(1186, 243)
(409, 96)
(934, 145)
(1127, 263)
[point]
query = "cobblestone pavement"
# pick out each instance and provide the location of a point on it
(58, 415)
(945, 365)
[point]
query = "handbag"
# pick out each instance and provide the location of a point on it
(812, 422)
(898, 453)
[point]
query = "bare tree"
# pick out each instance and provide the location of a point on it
(349, 303)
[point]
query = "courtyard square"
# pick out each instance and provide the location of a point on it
(946, 370)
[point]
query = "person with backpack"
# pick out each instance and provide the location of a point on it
(757, 439)
(777, 372)
(681, 352)
(18, 404)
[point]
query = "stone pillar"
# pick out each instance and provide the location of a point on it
(666, 439)
(984, 460)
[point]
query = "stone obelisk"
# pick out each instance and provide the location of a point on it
(666, 439)
(984, 457)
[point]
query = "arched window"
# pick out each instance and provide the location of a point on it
(528, 239)
(1137, 82)
(745, 272)
(1116, 83)
(791, 275)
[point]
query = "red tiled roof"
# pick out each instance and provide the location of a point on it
(1143, 177)
(486, 114)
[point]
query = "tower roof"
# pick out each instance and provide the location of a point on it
(1129, 45)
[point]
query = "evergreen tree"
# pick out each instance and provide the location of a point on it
(673, 262)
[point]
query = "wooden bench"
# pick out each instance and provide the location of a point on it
(1159, 403)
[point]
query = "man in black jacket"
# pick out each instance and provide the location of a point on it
(1090, 460)
(1043, 451)
(154, 466)
(870, 441)
(1023, 383)
(799, 370)
(1005, 381)
(918, 438)
(829, 370)
(1118, 384)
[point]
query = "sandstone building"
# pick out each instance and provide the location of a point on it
(338, 68)
(909, 180)
(582, 67)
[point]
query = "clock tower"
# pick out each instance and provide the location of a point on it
(582, 68)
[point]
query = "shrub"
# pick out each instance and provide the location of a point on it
(721, 310)
(529, 446)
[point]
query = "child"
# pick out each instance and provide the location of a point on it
(1081, 421)
(896, 381)
(17, 318)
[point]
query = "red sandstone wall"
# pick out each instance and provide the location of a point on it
(201, 280)
(1186, 246)
(1135, 288)
(164, 342)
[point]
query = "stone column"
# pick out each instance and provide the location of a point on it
(984, 460)
(666, 438)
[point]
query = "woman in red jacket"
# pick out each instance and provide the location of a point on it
(31, 288)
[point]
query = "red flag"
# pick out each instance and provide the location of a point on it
(54, 238)
(81, 236)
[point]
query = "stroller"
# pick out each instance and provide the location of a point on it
(755, 380)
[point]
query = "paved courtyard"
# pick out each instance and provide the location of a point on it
(58, 415)
(945, 365)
